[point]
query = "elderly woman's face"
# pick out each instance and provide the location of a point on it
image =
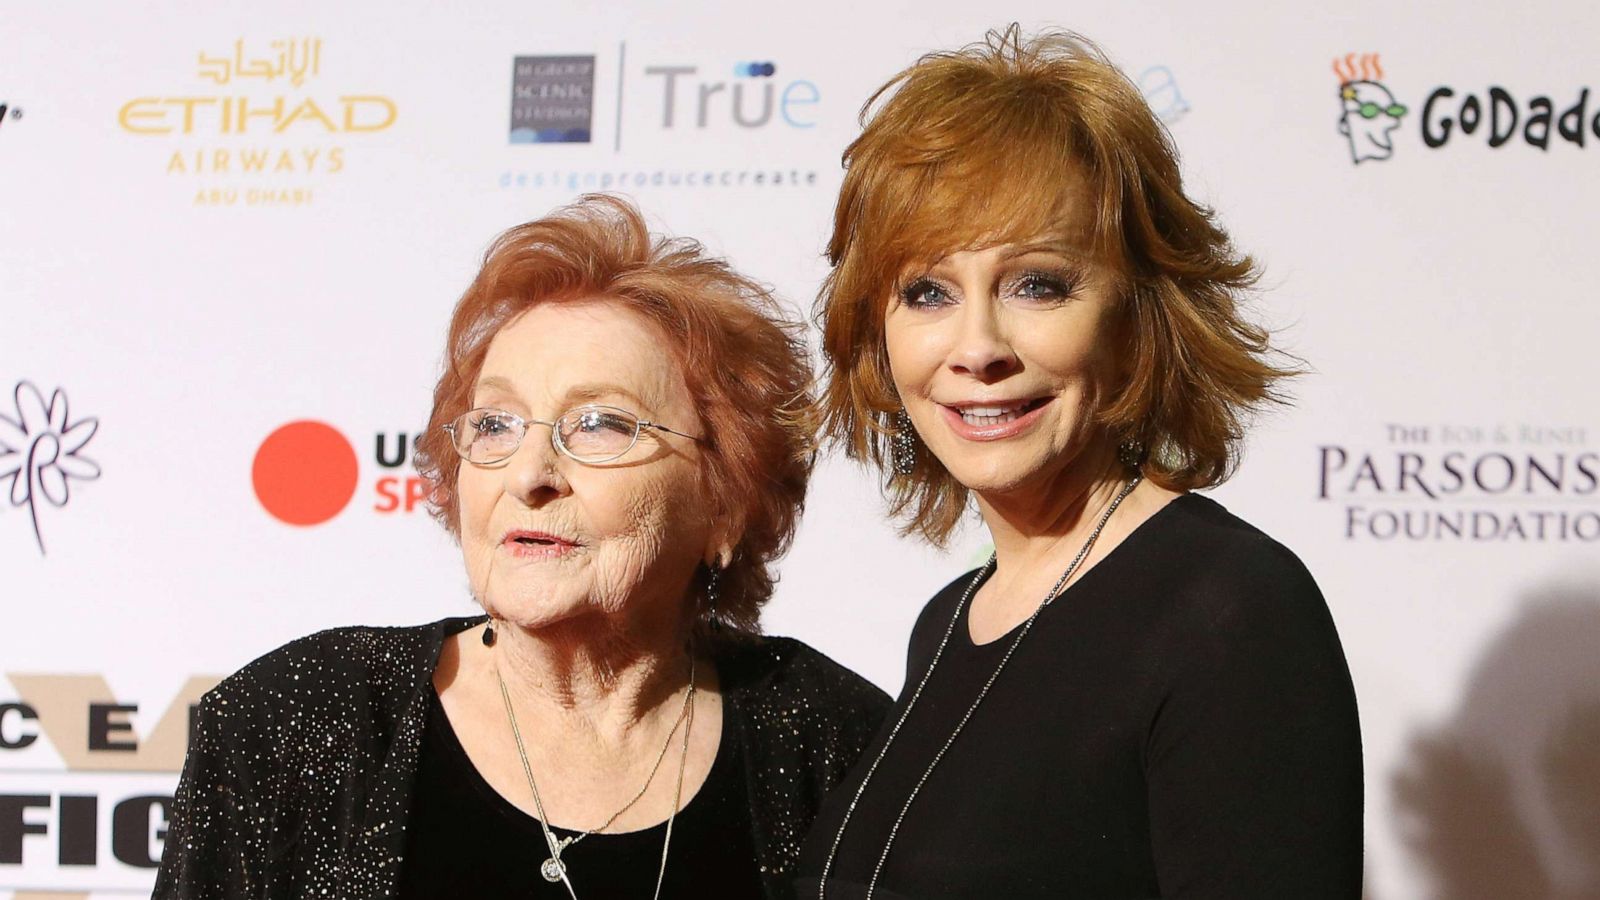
(547, 538)
(1000, 356)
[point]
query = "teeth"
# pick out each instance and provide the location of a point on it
(991, 415)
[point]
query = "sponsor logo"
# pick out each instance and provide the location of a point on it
(261, 128)
(1447, 483)
(1371, 116)
(41, 452)
(86, 797)
(552, 99)
(9, 111)
(1159, 86)
(306, 472)
(732, 114)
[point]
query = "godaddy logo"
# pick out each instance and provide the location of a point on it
(1370, 114)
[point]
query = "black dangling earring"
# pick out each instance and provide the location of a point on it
(488, 633)
(1132, 453)
(903, 446)
(711, 596)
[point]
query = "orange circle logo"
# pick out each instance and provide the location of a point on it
(305, 473)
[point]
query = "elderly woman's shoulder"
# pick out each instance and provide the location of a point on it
(337, 666)
(784, 673)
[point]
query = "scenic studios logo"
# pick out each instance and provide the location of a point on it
(41, 452)
(1371, 117)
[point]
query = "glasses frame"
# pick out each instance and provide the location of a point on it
(640, 424)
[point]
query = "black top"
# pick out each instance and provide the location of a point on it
(301, 767)
(462, 832)
(1180, 723)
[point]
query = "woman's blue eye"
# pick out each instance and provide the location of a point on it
(923, 293)
(1042, 286)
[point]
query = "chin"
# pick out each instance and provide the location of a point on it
(528, 607)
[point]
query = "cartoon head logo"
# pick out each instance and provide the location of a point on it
(1370, 114)
(40, 451)
(305, 473)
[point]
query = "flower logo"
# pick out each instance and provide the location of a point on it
(39, 451)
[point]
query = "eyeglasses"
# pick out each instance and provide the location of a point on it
(1371, 110)
(589, 434)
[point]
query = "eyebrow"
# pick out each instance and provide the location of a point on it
(586, 392)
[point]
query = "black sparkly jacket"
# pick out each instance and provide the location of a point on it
(300, 768)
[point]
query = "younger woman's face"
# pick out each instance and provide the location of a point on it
(1001, 357)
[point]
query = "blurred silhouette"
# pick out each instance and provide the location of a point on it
(1503, 801)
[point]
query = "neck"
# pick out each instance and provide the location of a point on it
(593, 675)
(1034, 525)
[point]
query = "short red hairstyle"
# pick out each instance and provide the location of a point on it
(992, 144)
(741, 357)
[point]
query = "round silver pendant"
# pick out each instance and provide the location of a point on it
(553, 869)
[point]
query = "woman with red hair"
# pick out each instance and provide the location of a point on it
(620, 444)
(1140, 695)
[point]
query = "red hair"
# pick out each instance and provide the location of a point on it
(742, 359)
(993, 144)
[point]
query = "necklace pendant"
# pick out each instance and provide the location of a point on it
(553, 870)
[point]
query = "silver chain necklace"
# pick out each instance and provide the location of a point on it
(894, 830)
(554, 869)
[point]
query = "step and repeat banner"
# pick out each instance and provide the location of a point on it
(230, 239)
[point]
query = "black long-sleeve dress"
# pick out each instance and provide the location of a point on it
(302, 773)
(1179, 724)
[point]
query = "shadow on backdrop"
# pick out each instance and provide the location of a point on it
(1502, 802)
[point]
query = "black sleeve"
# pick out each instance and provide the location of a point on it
(215, 831)
(1253, 760)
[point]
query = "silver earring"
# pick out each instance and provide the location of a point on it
(712, 583)
(903, 446)
(1132, 453)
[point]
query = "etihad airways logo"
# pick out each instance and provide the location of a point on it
(259, 126)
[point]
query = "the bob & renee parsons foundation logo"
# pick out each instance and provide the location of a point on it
(306, 472)
(84, 797)
(1511, 484)
(1371, 116)
(257, 125)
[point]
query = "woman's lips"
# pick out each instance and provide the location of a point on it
(993, 422)
(536, 545)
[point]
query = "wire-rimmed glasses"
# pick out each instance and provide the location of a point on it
(590, 434)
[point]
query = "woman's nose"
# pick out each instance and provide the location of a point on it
(533, 473)
(981, 348)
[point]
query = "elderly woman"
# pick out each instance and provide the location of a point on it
(1139, 695)
(619, 443)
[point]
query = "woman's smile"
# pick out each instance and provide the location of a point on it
(993, 421)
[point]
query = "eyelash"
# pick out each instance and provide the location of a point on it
(1056, 287)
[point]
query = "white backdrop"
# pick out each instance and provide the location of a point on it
(217, 221)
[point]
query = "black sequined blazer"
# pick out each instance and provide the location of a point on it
(300, 767)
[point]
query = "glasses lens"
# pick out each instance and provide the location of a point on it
(597, 432)
(1396, 110)
(1370, 110)
(487, 435)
